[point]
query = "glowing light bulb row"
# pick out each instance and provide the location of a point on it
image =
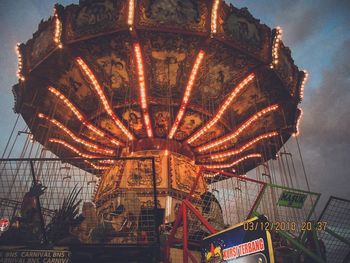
(238, 131)
(97, 167)
(276, 46)
(214, 16)
(90, 145)
(296, 134)
(244, 147)
(211, 175)
(73, 149)
(108, 108)
(58, 94)
(187, 93)
(302, 86)
(223, 108)
(81, 118)
(107, 161)
(58, 30)
(20, 63)
(142, 86)
(221, 166)
(131, 13)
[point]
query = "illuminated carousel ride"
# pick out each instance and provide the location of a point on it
(199, 87)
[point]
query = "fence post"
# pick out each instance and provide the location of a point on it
(38, 203)
(155, 211)
(185, 236)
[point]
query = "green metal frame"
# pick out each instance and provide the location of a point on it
(328, 230)
(318, 195)
(301, 247)
(297, 243)
(332, 233)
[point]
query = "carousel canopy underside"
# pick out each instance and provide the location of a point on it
(203, 79)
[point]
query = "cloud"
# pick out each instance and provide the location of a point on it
(300, 19)
(306, 21)
(326, 125)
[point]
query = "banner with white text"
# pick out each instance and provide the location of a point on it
(34, 256)
(239, 244)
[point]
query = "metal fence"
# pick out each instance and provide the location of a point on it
(52, 201)
(336, 236)
(286, 208)
(228, 200)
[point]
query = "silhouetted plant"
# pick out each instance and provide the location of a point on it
(65, 218)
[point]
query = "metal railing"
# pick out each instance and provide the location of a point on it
(50, 201)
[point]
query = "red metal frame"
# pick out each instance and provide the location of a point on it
(233, 175)
(211, 229)
(193, 259)
(182, 216)
(185, 237)
(186, 204)
(172, 234)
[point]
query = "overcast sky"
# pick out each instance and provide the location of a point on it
(317, 31)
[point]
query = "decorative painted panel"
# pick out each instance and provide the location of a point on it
(287, 71)
(168, 60)
(239, 28)
(191, 121)
(94, 17)
(138, 173)
(41, 45)
(182, 15)
(183, 174)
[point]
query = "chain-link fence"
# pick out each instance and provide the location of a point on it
(228, 200)
(336, 237)
(64, 202)
(286, 208)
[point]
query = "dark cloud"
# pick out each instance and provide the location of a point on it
(305, 22)
(306, 19)
(300, 19)
(326, 125)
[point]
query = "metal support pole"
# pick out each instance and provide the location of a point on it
(193, 259)
(176, 224)
(300, 237)
(14, 212)
(182, 216)
(185, 237)
(155, 211)
(314, 236)
(172, 234)
(42, 223)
